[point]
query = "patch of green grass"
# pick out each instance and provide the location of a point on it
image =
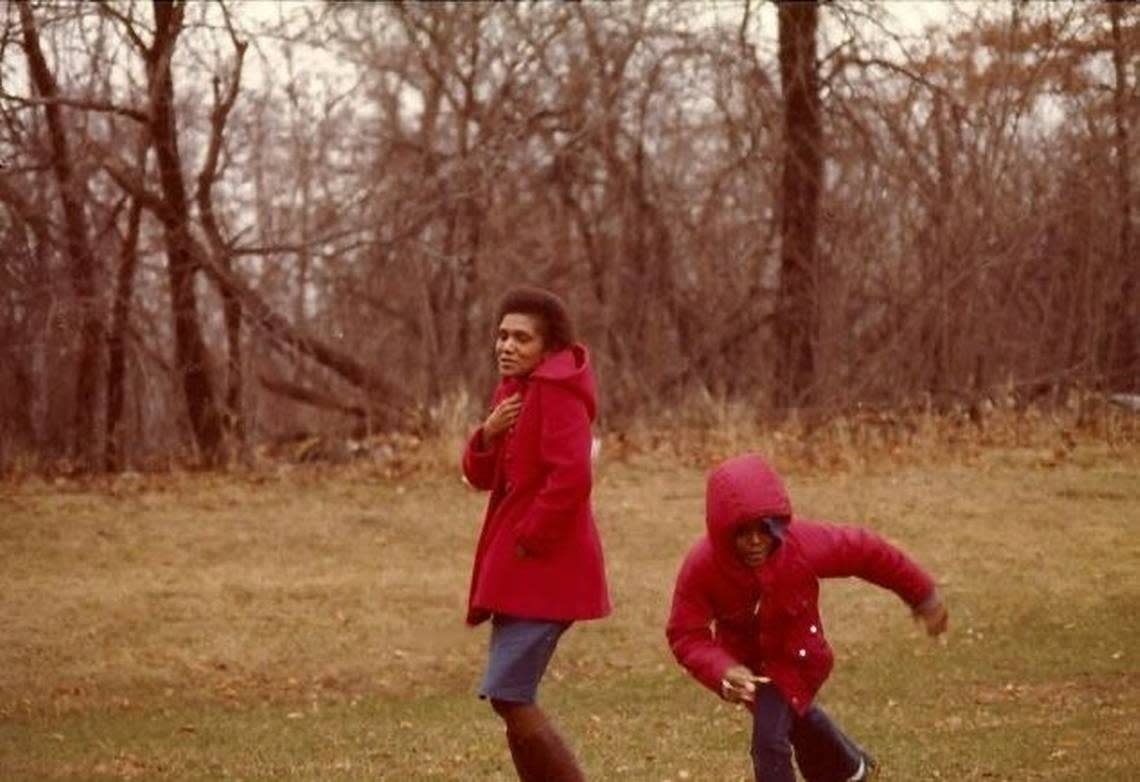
(308, 625)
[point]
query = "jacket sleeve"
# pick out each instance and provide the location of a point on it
(479, 461)
(836, 552)
(564, 459)
(690, 627)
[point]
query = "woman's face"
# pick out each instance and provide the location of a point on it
(519, 346)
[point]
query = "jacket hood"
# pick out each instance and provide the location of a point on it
(742, 489)
(570, 368)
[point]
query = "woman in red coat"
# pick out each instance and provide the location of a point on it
(538, 564)
(745, 620)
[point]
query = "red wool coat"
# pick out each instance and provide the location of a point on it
(539, 476)
(767, 618)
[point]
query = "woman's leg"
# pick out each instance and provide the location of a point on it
(537, 749)
(771, 736)
(520, 652)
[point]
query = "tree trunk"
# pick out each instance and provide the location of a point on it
(77, 242)
(191, 357)
(797, 320)
(1123, 332)
(940, 254)
(234, 418)
(116, 340)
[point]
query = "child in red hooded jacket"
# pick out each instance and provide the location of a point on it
(745, 619)
(538, 564)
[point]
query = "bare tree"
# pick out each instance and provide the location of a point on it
(120, 326)
(825, 214)
(224, 99)
(192, 358)
(797, 319)
(84, 270)
(1123, 338)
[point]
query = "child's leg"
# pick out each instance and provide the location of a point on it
(771, 730)
(823, 752)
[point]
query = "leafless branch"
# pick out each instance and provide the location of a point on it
(78, 103)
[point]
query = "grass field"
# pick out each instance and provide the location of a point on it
(306, 623)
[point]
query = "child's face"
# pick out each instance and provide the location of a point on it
(753, 543)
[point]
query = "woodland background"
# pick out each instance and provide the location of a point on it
(226, 224)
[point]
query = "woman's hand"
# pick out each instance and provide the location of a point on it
(502, 418)
(739, 684)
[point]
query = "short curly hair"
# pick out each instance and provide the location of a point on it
(547, 308)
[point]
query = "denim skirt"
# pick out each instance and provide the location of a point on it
(520, 650)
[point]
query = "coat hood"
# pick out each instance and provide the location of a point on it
(570, 368)
(742, 489)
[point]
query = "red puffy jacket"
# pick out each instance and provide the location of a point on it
(539, 476)
(767, 618)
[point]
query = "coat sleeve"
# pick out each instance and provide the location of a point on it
(564, 463)
(690, 627)
(479, 461)
(479, 458)
(836, 552)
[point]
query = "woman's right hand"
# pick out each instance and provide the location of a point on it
(503, 417)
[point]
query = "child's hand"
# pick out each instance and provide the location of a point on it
(739, 684)
(935, 617)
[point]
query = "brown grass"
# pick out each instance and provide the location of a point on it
(306, 622)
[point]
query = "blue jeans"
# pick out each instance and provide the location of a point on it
(822, 752)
